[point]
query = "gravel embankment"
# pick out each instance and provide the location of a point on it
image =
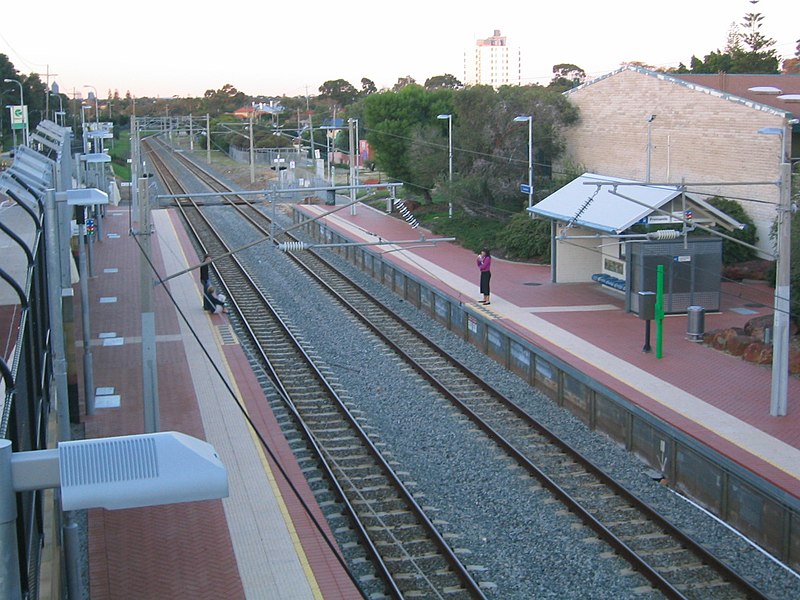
(512, 533)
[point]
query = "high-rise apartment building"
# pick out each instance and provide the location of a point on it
(492, 62)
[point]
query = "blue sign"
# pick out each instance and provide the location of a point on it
(525, 188)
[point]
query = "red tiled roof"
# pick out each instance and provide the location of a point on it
(743, 86)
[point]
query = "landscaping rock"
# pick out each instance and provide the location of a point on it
(721, 337)
(737, 344)
(794, 362)
(758, 353)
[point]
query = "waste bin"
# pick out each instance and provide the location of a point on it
(696, 325)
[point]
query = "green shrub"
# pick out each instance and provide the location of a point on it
(526, 238)
(733, 252)
(470, 232)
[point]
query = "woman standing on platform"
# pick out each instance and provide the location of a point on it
(485, 266)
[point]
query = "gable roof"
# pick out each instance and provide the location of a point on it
(758, 101)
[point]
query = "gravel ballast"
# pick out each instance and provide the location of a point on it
(511, 533)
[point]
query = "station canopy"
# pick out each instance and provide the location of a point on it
(594, 201)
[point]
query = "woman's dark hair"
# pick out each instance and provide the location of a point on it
(486, 250)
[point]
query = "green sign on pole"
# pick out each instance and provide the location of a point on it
(19, 116)
(659, 311)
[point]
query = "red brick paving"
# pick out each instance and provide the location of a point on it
(179, 550)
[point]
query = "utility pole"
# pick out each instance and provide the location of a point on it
(780, 341)
(47, 75)
(208, 138)
(252, 156)
(150, 398)
(351, 133)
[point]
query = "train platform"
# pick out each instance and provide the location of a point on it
(719, 399)
(259, 542)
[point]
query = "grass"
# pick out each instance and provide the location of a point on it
(120, 152)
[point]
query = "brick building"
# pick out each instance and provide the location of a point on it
(646, 126)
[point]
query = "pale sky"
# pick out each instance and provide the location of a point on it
(167, 49)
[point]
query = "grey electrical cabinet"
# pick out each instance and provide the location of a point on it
(692, 273)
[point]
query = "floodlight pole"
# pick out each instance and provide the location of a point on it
(449, 118)
(529, 119)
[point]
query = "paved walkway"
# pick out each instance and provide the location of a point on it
(258, 542)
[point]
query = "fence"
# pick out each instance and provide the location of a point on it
(27, 371)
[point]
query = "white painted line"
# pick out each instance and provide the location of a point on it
(587, 308)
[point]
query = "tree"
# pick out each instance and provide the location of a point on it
(791, 66)
(428, 156)
(224, 100)
(745, 52)
(339, 91)
(403, 82)
(391, 119)
(367, 87)
(493, 156)
(446, 81)
(566, 76)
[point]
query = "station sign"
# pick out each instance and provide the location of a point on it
(19, 116)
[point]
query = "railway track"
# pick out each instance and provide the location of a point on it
(671, 562)
(405, 547)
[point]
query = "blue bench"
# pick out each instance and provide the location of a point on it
(610, 281)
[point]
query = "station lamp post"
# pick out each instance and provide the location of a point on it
(529, 119)
(96, 107)
(83, 128)
(449, 118)
(650, 120)
(21, 106)
(60, 109)
(780, 338)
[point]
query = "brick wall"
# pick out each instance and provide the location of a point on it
(696, 137)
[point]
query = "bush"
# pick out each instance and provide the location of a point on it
(470, 232)
(731, 251)
(526, 238)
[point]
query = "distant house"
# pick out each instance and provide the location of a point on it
(258, 109)
(697, 130)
